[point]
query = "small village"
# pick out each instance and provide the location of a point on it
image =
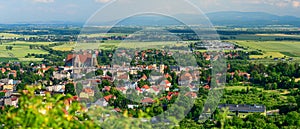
(96, 85)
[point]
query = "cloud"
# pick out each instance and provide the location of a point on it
(43, 1)
(103, 1)
(296, 4)
(278, 3)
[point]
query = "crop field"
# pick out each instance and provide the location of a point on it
(239, 87)
(273, 48)
(119, 44)
(10, 35)
(20, 50)
(278, 35)
(65, 47)
(101, 35)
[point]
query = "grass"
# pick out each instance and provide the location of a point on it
(102, 35)
(65, 47)
(240, 87)
(119, 44)
(22, 43)
(276, 49)
(20, 50)
(278, 35)
(10, 35)
(268, 55)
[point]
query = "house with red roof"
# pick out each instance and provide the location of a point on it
(185, 79)
(144, 77)
(207, 87)
(122, 89)
(109, 97)
(89, 91)
(191, 94)
(146, 88)
(155, 90)
(147, 101)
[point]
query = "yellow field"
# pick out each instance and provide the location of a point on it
(9, 35)
(65, 47)
(268, 54)
(239, 88)
(277, 35)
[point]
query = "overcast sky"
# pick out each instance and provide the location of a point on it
(26, 11)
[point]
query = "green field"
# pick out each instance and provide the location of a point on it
(10, 35)
(102, 35)
(276, 49)
(240, 87)
(117, 44)
(20, 50)
(283, 92)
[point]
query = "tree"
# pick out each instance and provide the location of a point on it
(79, 88)
(69, 89)
(109, 74)
(11, 76)
(9, 47)
(99, 72)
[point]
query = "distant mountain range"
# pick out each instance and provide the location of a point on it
(229, 18)
(251, 18)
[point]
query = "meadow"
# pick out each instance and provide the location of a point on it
(274, 49)
(107, 45)
(20, 50)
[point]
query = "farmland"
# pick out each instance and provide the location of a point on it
(20, 50)
(117, 44)
(274, 49)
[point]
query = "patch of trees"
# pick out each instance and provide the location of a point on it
(271, 77)
(9, 48)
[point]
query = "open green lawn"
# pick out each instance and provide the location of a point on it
(272, 48)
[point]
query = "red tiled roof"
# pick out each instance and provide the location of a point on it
(82, 57)
(155, 88)
(124, 76)
(206, 87)
(121, 88)
(167, 82)
(107, 98)
(144, 77)
(168, 76)
(147, 100)
(146, 87)
(118, 110)
(88, 90)
(191, 94)
(107, 88)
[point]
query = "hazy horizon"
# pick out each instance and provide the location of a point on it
(31, 11)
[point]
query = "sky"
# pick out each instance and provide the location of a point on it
(29, 11)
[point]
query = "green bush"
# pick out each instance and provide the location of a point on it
(45, 112)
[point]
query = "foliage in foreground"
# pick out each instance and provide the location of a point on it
(45, 112)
